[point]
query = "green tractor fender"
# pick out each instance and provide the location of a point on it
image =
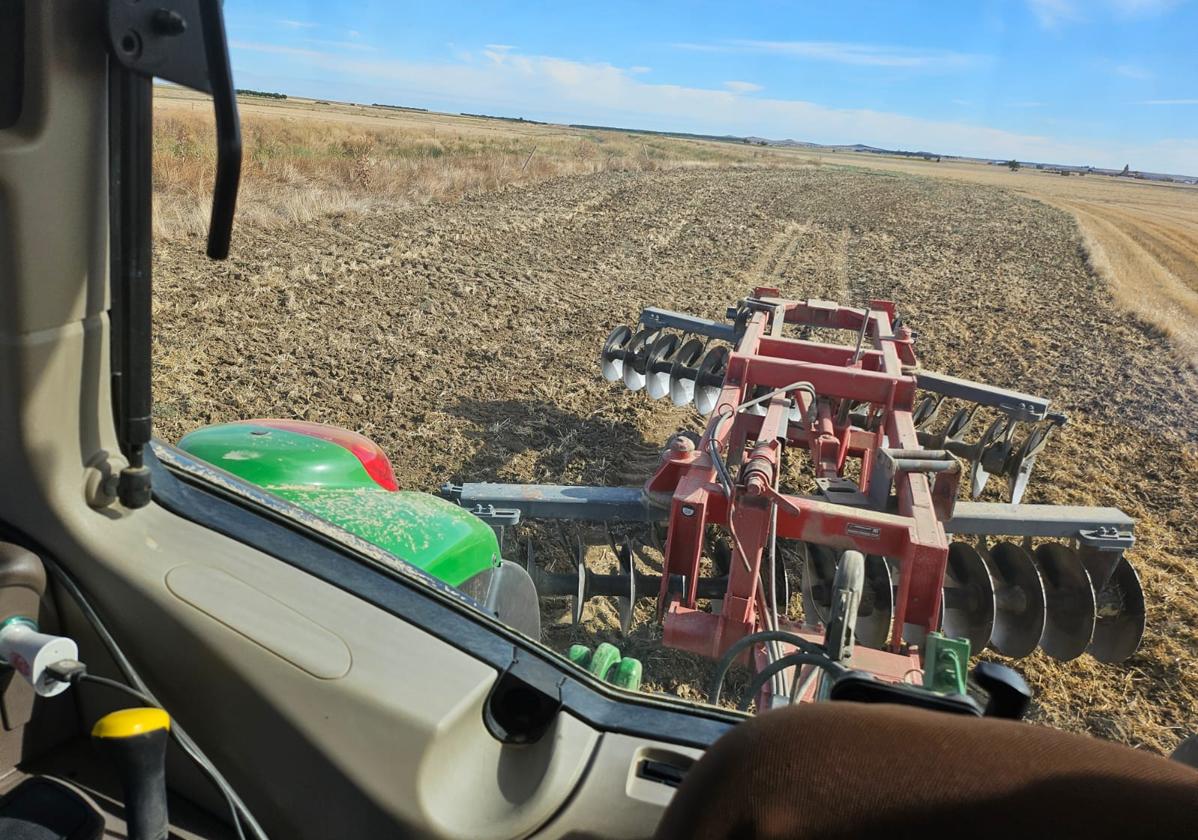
(346, 479)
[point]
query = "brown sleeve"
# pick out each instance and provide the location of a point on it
(839, 770)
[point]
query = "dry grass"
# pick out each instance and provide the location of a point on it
(359, 159)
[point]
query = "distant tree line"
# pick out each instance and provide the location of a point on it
(509, 119)
(268, 94)
(397, 107)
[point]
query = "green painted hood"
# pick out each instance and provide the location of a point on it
(330, 481)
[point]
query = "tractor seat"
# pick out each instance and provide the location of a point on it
(840, 770)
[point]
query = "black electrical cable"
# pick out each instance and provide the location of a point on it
(145, 699)
(237, 807)
(721, 671)
(819, 660)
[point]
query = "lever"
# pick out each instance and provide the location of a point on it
(135, 740)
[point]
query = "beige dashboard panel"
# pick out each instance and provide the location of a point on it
(262, 619)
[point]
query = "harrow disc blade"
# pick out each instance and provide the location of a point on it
(1120, 624)
(626, 603)
(926, 410)
(610, 364)
(1019, 599)
(710, 379)
(960, 423)
(876, 612)
(682, 372)
(979, 471)
(634, 368)
(658, 364)
(578, 599)
(819, 570)
(968, 607)
(1070, 601)
(1017, 481)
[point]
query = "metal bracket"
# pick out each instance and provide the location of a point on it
(163, 38)
(842, 491)
(497, 518)
(660, 318)
(1107, 538)
(183, 41)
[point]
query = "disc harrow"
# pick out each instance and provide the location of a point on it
(1005, 575)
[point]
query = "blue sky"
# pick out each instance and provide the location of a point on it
(1099, 82)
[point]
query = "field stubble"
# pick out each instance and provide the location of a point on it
(463, 338)
(357, 159)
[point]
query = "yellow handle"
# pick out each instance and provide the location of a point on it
(129, 722)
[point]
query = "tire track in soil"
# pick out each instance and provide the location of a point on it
(463, 338)
(775, 259)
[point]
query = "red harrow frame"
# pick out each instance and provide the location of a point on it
(886, 487)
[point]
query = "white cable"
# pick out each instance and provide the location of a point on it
(237, 806)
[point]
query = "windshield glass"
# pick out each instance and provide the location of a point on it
(455, 223)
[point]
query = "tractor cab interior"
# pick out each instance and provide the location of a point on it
(212, 652)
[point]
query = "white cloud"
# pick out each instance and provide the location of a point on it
(1133, 71)
(742, 87)
(497, 52)
(838, 52)
(1169, 102)
(298, 24)
(639, 69)
(353, 33)
(1053, 13)
(544, 87)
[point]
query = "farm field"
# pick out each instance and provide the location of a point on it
(1139, 236)
(459, 327)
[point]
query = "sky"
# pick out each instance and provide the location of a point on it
(1086, 82)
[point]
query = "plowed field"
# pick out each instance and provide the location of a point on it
(463, 338)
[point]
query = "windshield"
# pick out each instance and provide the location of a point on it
(459, 227)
